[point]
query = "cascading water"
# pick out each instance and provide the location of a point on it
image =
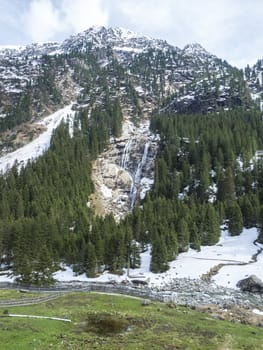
(137, 176)
(126, 154)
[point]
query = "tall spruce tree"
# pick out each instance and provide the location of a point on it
(235, 219)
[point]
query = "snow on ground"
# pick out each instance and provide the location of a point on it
(66, 274)
(128, 49)
(230, 275)
(38, 146)
(229, 250)
(193, 264)
(7, 276)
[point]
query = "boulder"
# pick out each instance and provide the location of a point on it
(251, 284)
(139, 282)
(146, 302)
(124, 180)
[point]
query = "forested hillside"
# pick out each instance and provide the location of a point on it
(208, 170)
(203, 177)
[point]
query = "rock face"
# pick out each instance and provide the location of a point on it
(125, 171)
(251, 284)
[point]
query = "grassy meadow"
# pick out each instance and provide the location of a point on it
(100, 321)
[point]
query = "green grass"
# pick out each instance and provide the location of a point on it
(114, 322)
(17, 295)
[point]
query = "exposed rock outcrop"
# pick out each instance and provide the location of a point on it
(125, 171)
(251, 284)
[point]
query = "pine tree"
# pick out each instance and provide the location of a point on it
(226, 186)
(211, 227)
(134, 254)
(248, 212)
(91, 266)
(195, 241)
(183, 235)
(234, 215)
(159, 261)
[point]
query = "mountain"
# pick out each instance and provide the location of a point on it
(100, 65)
(254, 77)
(40, 78)
(157, 147)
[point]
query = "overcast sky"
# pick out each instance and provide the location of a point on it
(230, 29)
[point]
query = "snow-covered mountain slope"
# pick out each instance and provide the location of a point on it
(254, 77)
(38, 146)
(176, 78)
(119, 39)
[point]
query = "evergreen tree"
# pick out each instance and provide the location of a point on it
(159, 262)
(91, 266)
(183, 235)
(195, 241)
(235, 224)
(211, 226)
(134, 255)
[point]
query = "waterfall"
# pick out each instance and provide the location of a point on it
(137, 177)
(126, 154)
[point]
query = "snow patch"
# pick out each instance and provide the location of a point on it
(66, 274)
(38, 146)
(7, 276)
(193, 264)
(128, 49)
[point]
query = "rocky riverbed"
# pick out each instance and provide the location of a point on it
(195, 292)
(220, 302)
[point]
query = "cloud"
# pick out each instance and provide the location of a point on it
(148, 16)
(42, 20)
(46, 20)
(10, 21)
(230, 29)
(202, 20)
(226, 28)
(82, 14)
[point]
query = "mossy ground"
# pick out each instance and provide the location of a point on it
(116, 322)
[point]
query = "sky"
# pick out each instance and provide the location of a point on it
(230, 29)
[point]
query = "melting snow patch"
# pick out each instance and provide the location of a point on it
(7, 276)
(38, 146)
(67, 275)
(192, 264)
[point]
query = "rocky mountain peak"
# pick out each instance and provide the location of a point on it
(117, 38)
(195, 49)
(188, 80)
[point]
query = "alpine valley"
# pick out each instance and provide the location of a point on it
(122, 155)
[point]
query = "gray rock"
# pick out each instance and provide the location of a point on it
(251, 284)
(146, 302)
